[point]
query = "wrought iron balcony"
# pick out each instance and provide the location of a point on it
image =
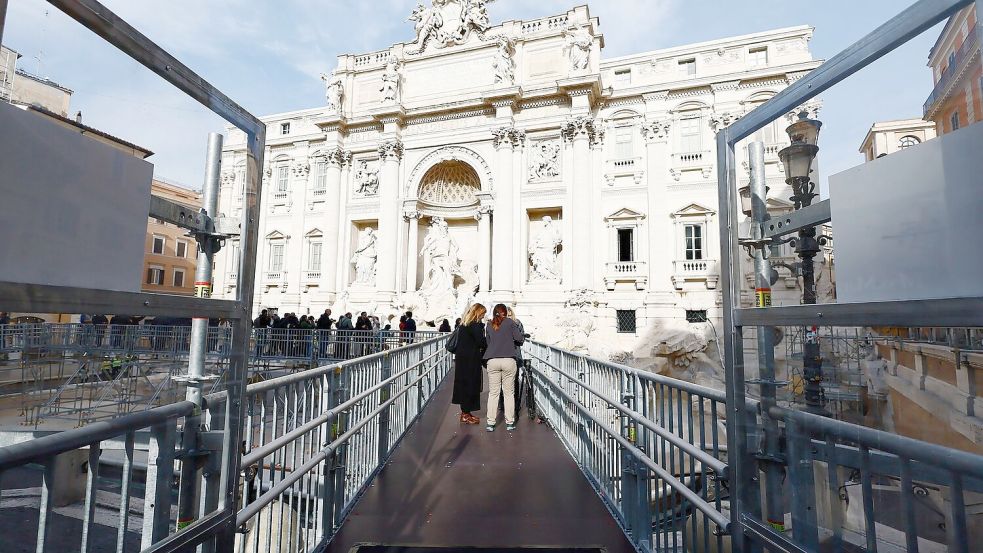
(970, 46)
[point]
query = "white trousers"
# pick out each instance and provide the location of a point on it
(501, 379)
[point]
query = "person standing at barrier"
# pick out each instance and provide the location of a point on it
(410, 326)
(503, 335)
(518, 362)
(344, 334)
(324, 323)
(445, 326)
(471, 345)
(100, 322)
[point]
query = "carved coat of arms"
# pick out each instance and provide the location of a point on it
(449, 22)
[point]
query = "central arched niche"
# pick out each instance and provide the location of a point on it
(450, 184)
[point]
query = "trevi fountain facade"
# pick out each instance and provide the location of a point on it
(513, 164)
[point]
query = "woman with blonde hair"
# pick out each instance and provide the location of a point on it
(470, 348)
(503, 336)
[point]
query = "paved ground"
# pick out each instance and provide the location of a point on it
(451, 485)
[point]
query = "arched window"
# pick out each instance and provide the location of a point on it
(907, 142)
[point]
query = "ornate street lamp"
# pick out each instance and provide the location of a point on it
(798, 158)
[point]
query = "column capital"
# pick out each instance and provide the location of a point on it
(582, 127)
(657, 130)
(391, 150)
(483, 211)
(508, 137)
(719, 120)
(335, 157)
(411, 214)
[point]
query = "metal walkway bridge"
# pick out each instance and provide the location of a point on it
(370, 452)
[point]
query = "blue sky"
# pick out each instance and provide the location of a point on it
(267, 56)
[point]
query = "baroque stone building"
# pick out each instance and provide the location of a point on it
(513, 164)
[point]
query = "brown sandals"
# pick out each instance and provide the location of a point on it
(468, 418)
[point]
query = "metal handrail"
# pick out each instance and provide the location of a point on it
(54, 444)
(715, 464)
(704, 506)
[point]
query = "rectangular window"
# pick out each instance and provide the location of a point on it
(624, 142)
(321, 176)
(158, 247)
(314, 256)
(181, 248)
(696, 316)
(626, 244)
(234, 258)
(178, 278)
(627, 323)
(155, 275)
(694, 242)
(954, 121)
(688, 66)
(284, 128)
(282, 178)
(757, 57)
(622, 77)
(690, 137)
(276, 258)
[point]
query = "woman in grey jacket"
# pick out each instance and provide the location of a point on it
(503, 335)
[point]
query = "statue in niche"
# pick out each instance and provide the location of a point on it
(441, 261)
(334, 92)
(365, 257)
(391, 81)
(546, 160)
(367, 180)
(578, 43)
(504, 65)
(544, 249)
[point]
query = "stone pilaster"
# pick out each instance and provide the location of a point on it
(582, 134)
(335, 159)
(507, 139)
(661, 252)
(412, 218)
(484, 216)
(390, 155)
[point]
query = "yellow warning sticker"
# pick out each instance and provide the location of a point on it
(203, 289)
(762, 297)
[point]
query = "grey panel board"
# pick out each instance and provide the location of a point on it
(907, 226)
(73, 210)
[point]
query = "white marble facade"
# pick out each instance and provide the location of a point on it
(512, 164)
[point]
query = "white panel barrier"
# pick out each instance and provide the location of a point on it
(73, 210)
(909, 226)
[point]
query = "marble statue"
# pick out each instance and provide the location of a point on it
(441, 261)
(365, 257)
(427, 23)
(546, 160)
(578, 44)
(366, 180)
(544, 249)
(503, 64)
(334, 92)
(391, 82)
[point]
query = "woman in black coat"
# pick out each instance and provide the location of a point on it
(471, 346)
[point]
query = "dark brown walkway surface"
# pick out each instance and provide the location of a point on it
(454, 485)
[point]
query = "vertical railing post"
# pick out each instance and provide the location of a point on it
(384, 394)
(630, 503)
(160, 474)
(328, 491)
(341, 453)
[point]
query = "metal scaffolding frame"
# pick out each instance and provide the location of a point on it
(40, 298)
(749, 533)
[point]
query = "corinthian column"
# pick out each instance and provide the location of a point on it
(391, 153)
(484, 245)
(661, 252)
(506, 140)
(582, 133)
(334, 158)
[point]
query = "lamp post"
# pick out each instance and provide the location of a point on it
(798, 159)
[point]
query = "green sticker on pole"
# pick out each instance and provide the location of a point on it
(762, 297)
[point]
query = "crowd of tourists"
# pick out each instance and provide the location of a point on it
(495, 347)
